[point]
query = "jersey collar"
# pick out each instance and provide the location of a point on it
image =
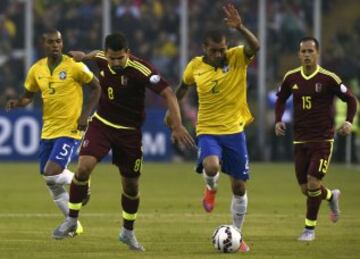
(112, 71)
(309, 76)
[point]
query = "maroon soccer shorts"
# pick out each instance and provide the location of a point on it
(126, 148)
(312, 158)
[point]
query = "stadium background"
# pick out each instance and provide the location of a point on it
(171, 222)
(168, 34)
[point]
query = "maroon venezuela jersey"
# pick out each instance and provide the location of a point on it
(122, 99)
(313, 101)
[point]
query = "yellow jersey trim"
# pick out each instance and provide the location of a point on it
(100, 54)
(307, 141)
(331, 74)
(291, 72)
(309, 76)
(106, 122)
(137, 65)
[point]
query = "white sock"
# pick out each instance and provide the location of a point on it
(67, 176)
(60, 179)
(60, 197)
(238, 209)
(211, 181)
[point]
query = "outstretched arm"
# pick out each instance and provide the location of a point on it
(23, 101)
(233, 20)
(90, 107)
(351, 101)
(180, 92)
(79, 56)
(178, 132)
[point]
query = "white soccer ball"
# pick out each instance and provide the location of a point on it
(227, 239)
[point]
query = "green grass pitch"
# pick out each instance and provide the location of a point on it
(171, 222)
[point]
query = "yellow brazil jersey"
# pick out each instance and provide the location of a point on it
(222, 93)
(61, 92)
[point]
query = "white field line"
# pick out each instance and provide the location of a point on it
(142, 215)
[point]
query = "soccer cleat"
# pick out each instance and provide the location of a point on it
(66, 229)
(128, 238)
(209, 199)
(307, 235)
(79, 230)
(334, 206)
(244, 248)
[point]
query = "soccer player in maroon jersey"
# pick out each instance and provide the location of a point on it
(313, 89)
(116, 126)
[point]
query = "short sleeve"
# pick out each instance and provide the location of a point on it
(188, 75)
(239, 57)
(30, 82)
(82, 73)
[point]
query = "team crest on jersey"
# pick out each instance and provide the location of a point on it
(62, 75)
(123, 80)
(318, 87)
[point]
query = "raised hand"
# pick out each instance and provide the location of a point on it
(233, 18)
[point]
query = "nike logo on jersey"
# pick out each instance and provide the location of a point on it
(200, 73)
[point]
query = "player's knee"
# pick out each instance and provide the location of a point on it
(130, 186)
(304, 189)
(51, 180)
(211, 168)
(313, 183)
(52, 171)
(83, 172)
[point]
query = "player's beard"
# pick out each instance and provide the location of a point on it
(117, 69)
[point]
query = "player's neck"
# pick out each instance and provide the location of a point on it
(53, 61)
(310, 69)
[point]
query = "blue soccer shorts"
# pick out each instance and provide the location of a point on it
(58, 150)
(231, 150)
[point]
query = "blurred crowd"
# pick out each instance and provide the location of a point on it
(152, 27)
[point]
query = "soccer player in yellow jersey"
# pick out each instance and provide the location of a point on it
(220, 80)
(59, 79)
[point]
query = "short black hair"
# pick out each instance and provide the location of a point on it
(309, 38)
(49, 31)
(215, 35)
(116, 41)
